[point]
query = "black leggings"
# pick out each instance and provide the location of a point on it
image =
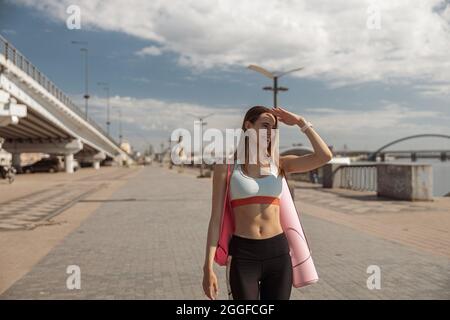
(260, 268)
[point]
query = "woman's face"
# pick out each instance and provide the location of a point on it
(266, 121)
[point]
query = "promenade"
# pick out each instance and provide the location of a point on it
(139, 233)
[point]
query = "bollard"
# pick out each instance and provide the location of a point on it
(405, 181)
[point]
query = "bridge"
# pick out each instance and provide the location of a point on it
(37, 116)
(443, 154)
(412, 155)
(382, 153)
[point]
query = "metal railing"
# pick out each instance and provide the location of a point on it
(360, 177)
(13, 55)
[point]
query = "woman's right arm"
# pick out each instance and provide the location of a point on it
(218, 198)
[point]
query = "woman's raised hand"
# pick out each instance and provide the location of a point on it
(287, 117)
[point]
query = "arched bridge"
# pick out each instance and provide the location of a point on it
(373, 155)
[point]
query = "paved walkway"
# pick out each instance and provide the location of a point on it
(40, 210)
(27, 210)
(147, 241)
(421, 224)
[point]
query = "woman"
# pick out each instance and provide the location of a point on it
(259, 261)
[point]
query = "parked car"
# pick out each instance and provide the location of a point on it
(107, 162)
(85, 164)
(44, 165)
(147, 160)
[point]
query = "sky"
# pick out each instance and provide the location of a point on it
(374, 71)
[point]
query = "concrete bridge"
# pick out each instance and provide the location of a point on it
(36, 116)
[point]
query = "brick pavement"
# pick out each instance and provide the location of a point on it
(148, 242)
(423, 225)
(31, 210)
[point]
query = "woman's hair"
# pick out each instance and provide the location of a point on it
(252, 115)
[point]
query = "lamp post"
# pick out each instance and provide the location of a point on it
(105, 86)
(161, 155)
(86, 75)
(202, 123)
(274, 76)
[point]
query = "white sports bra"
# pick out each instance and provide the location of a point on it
(247, 190)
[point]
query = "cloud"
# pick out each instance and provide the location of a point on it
(434, 90)
(390, 117)
(138, 79)
(365, 128)
(322, 110)
(330, 38)
(9, 31)
(371, 128)
(151, 120)
(149, 51)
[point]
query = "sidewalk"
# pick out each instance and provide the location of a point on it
(147, 241)
(423, 225)
(43, 209)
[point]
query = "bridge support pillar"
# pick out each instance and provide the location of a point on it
(94, 158)
(68, 162)
(96, 164)
(15, 161)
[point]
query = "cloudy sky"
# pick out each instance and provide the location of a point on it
(375, 71)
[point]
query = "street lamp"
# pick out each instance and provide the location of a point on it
(105, 86)
(86, 79)
(274, 76)
(202, 123)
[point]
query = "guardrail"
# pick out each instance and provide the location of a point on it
(360, 177)
(13, 55)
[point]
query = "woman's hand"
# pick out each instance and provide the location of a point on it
(287, 117)
(210, 286)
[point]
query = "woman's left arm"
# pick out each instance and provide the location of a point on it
(321, 155)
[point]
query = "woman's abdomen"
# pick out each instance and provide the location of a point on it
(257, 221)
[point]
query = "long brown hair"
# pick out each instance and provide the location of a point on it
(252, 115)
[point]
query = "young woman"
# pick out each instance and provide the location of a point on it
(259, 264)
